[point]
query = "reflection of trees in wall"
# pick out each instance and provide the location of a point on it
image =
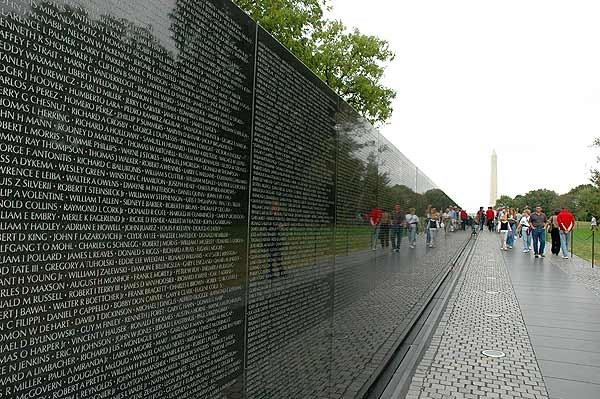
(111, 68)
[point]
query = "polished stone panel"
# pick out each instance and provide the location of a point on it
(184, 211)
(125, 168)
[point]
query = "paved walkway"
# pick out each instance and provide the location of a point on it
(544, 314)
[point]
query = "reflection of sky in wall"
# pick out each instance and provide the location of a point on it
(152, 14)
(400, 169)
(155, 16)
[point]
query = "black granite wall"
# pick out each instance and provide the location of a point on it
(183, 212)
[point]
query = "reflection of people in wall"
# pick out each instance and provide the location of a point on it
(375, 219)
(384, 229)
(398, 222)
(412, 221)
(274, 243)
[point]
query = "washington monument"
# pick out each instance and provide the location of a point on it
(494, 180)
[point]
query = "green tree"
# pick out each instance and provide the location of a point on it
(351, 63)
(505, 201)
(543, 197)
(292, 22)
(438, 199)
(595, 172)
(588, 203)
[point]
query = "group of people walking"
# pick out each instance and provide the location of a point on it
(389, 227)
(531, 227)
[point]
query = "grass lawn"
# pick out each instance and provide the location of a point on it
(582, 242)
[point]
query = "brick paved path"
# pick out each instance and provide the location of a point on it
(453, 366)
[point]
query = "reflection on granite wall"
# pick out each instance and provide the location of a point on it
(184, 211)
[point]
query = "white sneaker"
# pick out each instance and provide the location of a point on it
(565, 257)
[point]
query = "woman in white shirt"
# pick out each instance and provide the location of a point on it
(525, 231)
(503, 228)
(434, 223)
(412, 221)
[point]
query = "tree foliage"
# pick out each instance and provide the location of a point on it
(351, 63)
(583, 201)
(595, 172)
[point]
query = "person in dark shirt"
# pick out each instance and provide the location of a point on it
(480, 218)
(503, 228)
(538, 221)
(384, 229)
(398, 223)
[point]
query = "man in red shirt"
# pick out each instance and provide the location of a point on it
(463, 219)
(489, 216)
(566, 223)
(374, 219)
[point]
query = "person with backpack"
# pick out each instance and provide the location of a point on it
(554, 231)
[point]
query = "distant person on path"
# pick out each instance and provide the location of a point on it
(427, 232)
(594, 224)
(512, 222)
(554, 232)
(566, 223)
(434, 224)
(464, 216)
(524, 228)
(503, 227)
(412, 222)
(489, 217)
(538, 221)
(398, 223)
(480, 218)
(384, 230)
(375, 219)
(446, 220)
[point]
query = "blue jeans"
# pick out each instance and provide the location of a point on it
(375, 236)
(539, 236)
(565, 239)
(428, 233)
(412, 234)
(396, 236)
(481, 223)
(510, 240)
(432, 236)
(526, 238)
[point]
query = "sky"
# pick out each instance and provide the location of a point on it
(521, 77)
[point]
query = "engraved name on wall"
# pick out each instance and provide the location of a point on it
(123, 187)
